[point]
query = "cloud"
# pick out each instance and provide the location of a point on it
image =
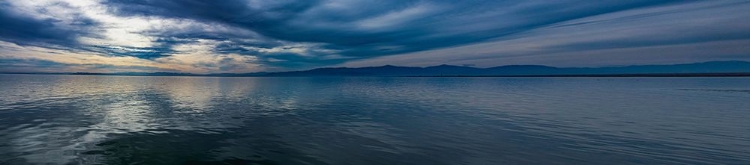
(26, 29)
(411, 25)
(260, 35)
(659, 34)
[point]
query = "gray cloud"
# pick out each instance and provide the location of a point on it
(288, 35)
(367, 29)
(659, 34)
(23, 29)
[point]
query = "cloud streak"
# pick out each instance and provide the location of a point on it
(257, 35)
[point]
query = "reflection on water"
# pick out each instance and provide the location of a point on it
(197, 120)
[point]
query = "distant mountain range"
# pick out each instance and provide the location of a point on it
(715, 68)
(705, 68)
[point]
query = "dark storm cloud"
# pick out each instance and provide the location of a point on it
(23, 29)
(144, 53)
(365, 29)
(686, 33)
(393, 27)
(291, 34)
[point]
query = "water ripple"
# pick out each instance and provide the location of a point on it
(192, 120)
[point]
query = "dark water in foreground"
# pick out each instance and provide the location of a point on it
(198, 120)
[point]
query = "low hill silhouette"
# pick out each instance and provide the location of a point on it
(714, 68)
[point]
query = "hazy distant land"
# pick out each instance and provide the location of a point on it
(704, 69)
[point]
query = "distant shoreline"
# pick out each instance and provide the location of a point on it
(703, 69)
(617, 75)
(447, 76)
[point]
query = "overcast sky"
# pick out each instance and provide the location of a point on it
(276, 35)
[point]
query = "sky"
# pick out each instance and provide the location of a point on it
(238, 36)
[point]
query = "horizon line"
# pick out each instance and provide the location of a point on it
(386, 65)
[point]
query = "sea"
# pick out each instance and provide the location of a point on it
(93, 119)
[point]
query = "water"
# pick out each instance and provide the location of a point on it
(48, 119)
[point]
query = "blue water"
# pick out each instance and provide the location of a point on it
(47, 119)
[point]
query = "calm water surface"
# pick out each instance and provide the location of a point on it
(48, 119)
